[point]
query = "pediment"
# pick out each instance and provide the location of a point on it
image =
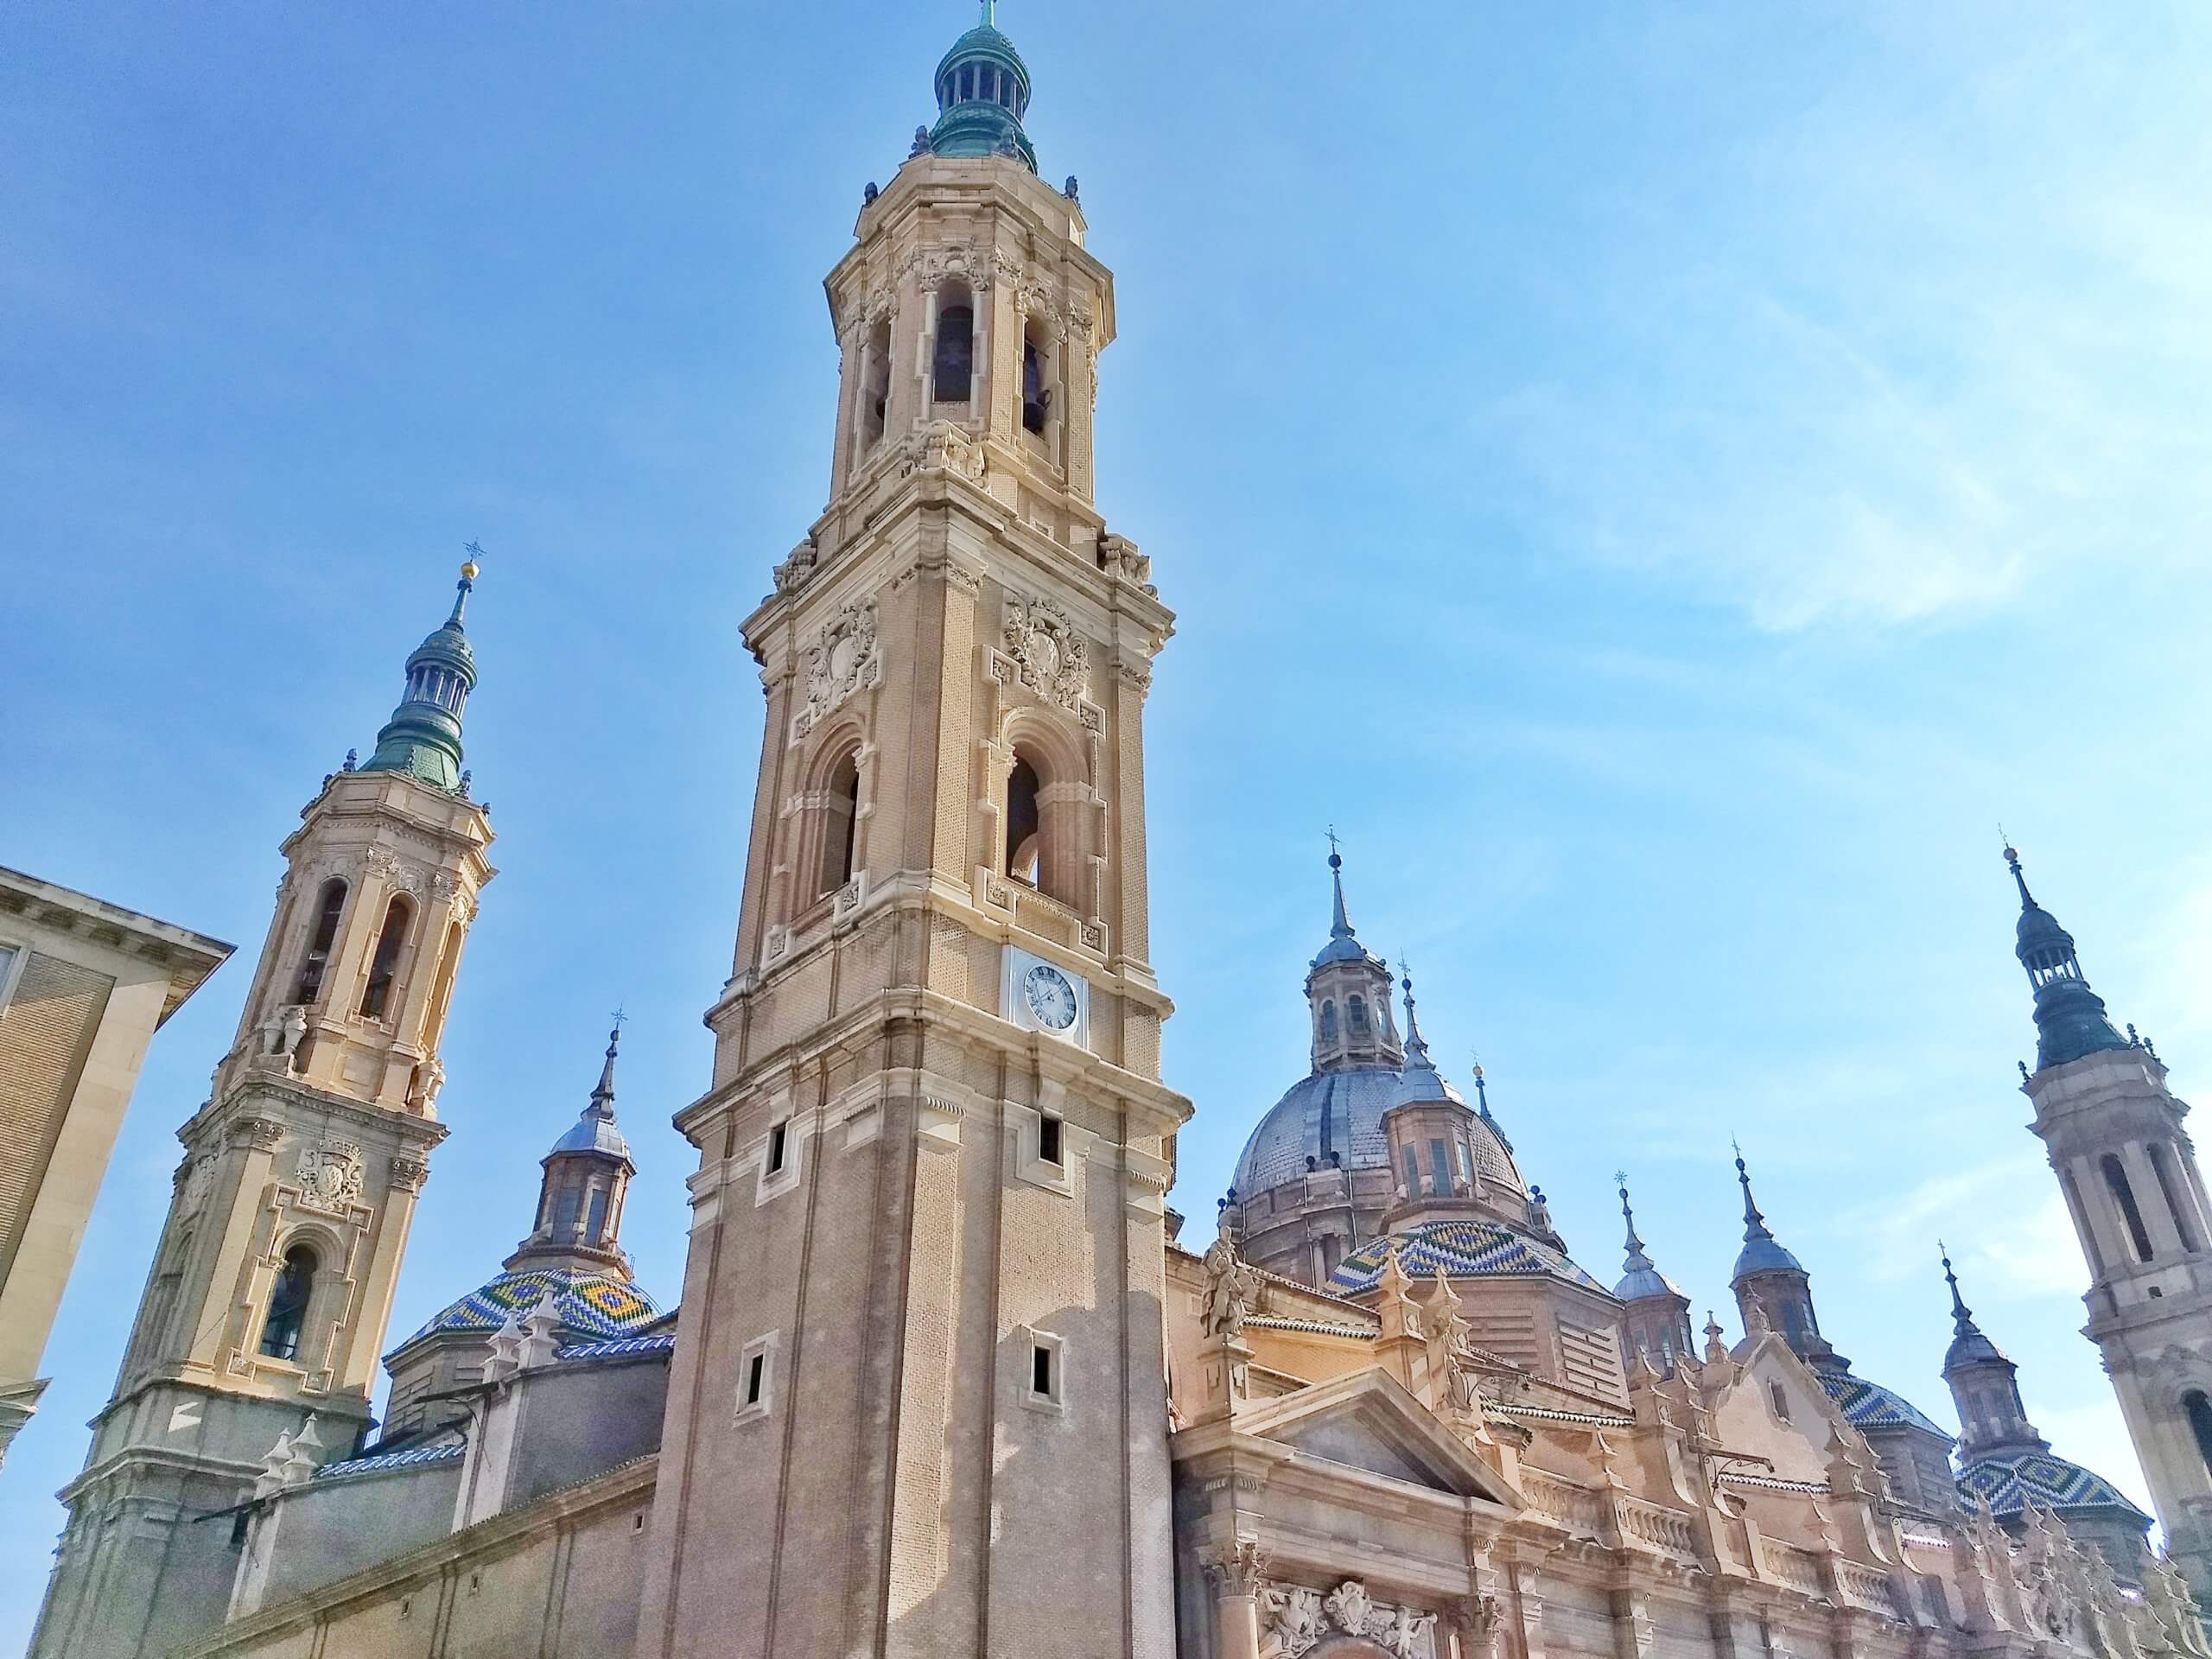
(1368, 1421)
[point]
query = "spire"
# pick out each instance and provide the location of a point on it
(587, 1174)
(982, 92)
(1344, 944)
(1762, 1252)
(1985, 1385)
(422, 737)
(1339, 923)
(1640, 1279)
(2071, 1019)
(1416, 1049)
(1482, 1107)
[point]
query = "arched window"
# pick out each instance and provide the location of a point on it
(839, 822)
(2123, 1195)
(1329, 1022)
(384, 963)
(2176, 1196)
(955, 366)
(1023, 822)
(2200, 1423)
(287, 1304)
(320, 940)
(568, 1209)
(1036, 395)
(1356, 1008)
(875, 382)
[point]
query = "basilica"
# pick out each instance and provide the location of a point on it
(945, 1377)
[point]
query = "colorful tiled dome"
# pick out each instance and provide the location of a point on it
(1869, 1405)
(2009, 1481)
(591, 1306)
(1464, 1249)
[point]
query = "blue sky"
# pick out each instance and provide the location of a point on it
(1665, 482)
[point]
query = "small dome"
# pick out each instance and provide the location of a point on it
(1869, 1405)
(1642, 1283)
(1345, 950)
(592, 1132)
(984, 44)
(2009, 1481)
(1464, 1249)
(1765, 1254)
(593, 1305)
(2038, 929)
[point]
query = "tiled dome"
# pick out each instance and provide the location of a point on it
(1464, 1249)
(1869, 1405)
(596, 1305)
(2010, 1480)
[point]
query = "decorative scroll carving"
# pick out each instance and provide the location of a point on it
(1051, 659)
(1298, 1620)
(940, 447)
(402, 876)
(791, 574)
(408, 1174)
(330, 1176)
(931, 267)
(261, 1133)
(845, 658)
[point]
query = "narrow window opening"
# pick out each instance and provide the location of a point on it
(756, 1378)
(1041, 1370)
(2123, 1195)
(595, 1224)
(956, 354)
(384, 963)
(321, 939)
(2200, 1424)
(1036, 395)
(2170, 1190)
(287, 1304)
(1774, 1392)
(1328, 1023)
(568, 1205)
(1413, 1174)
(778, 1143)
(1023, 822)
(1048, 1140)
(841, 824)
(1356, 1008)
(1440, 1166)
(968, 82)
(875, 381)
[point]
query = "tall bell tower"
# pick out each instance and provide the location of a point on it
(273, 1279)
(917, 1404)
(2131, 1181)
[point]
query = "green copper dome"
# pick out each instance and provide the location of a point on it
(422, 737)
(983, 91)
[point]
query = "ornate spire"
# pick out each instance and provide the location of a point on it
(1762, 1252)
(1339, 923)
(2071, 1019)
(1639, 1277)
(422, 737)
(1482, 1107)
(1983, 1383)
(587, 1176)
(1416, 1049)
(982, 92)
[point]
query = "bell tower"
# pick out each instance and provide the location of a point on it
(918, 1402)
(273, 1279)
(2128, 1172)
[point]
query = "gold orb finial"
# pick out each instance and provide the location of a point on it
(468, 570)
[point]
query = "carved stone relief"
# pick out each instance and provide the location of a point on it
(330, 1176)
(1297, 1619)
(400, 874)
(940, 447)
(845, 658)
(1048, 655)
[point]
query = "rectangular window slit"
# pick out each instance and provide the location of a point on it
(756, 1378)
(776, 1139)
(1041, 1370)
(1048, 1140)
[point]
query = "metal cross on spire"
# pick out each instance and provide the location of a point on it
(620, 1018)
(1335, 841)
(473, 551)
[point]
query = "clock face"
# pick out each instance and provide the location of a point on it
(1050, 996)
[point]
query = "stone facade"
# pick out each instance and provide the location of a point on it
(84, 985)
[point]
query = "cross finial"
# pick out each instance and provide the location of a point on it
(1620, 1178)
(620, 1018)
(1333, 839)
(473, 550)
